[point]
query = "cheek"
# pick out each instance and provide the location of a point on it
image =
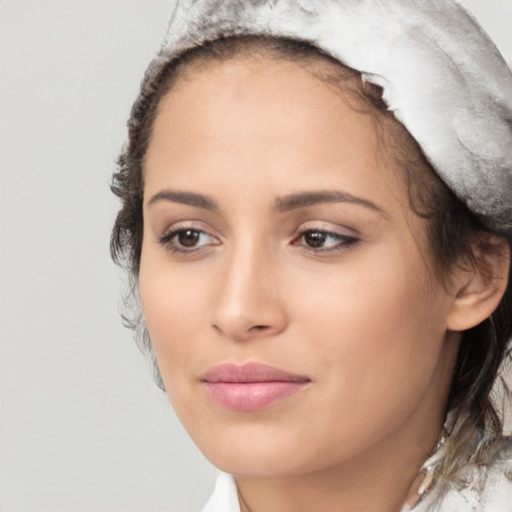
(371, 328)
(174, 310)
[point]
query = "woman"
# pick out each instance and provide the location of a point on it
(316, 215)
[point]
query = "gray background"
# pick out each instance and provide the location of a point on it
(83, 428)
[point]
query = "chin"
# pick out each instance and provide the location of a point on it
(258, 464)
(269, 451)
(252, 450)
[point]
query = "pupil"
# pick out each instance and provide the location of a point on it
(188, 238)
(315, 239)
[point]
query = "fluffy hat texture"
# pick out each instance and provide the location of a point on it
(442, 76)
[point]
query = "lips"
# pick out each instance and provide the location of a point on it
(251, 386)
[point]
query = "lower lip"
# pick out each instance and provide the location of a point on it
(251, 396)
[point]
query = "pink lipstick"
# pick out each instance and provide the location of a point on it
(251, 386)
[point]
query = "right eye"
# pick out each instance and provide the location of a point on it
(186, 240)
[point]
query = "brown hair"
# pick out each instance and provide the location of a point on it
(451, 228)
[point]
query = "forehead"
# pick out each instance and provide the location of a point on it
(262, 120)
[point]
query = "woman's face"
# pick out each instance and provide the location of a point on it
(283, 276)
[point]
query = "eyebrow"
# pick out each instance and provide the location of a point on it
(189, 198)
(312, 198)
(281, 204)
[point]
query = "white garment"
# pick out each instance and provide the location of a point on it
(224, 497)
(486, 489)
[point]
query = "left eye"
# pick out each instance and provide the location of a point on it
(318, 239)
(187, 239)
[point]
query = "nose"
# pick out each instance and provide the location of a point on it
(249, 303)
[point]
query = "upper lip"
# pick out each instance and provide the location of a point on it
(250, 372)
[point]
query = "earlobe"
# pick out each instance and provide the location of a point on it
(480, 283)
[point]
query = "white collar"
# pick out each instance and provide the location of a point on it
(224, 497)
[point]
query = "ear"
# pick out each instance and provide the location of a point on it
(479, 282)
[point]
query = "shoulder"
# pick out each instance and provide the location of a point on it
(475, 488)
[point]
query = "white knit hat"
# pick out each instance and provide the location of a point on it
(442, 76)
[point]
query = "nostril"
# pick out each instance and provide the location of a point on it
(260, 327)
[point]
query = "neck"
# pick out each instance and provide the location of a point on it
(383, 479)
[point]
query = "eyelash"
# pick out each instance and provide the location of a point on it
(166, 240)
(343, 242)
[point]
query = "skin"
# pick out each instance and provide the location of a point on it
(362, 317)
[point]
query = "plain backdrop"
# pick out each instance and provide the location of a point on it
(83, 428)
